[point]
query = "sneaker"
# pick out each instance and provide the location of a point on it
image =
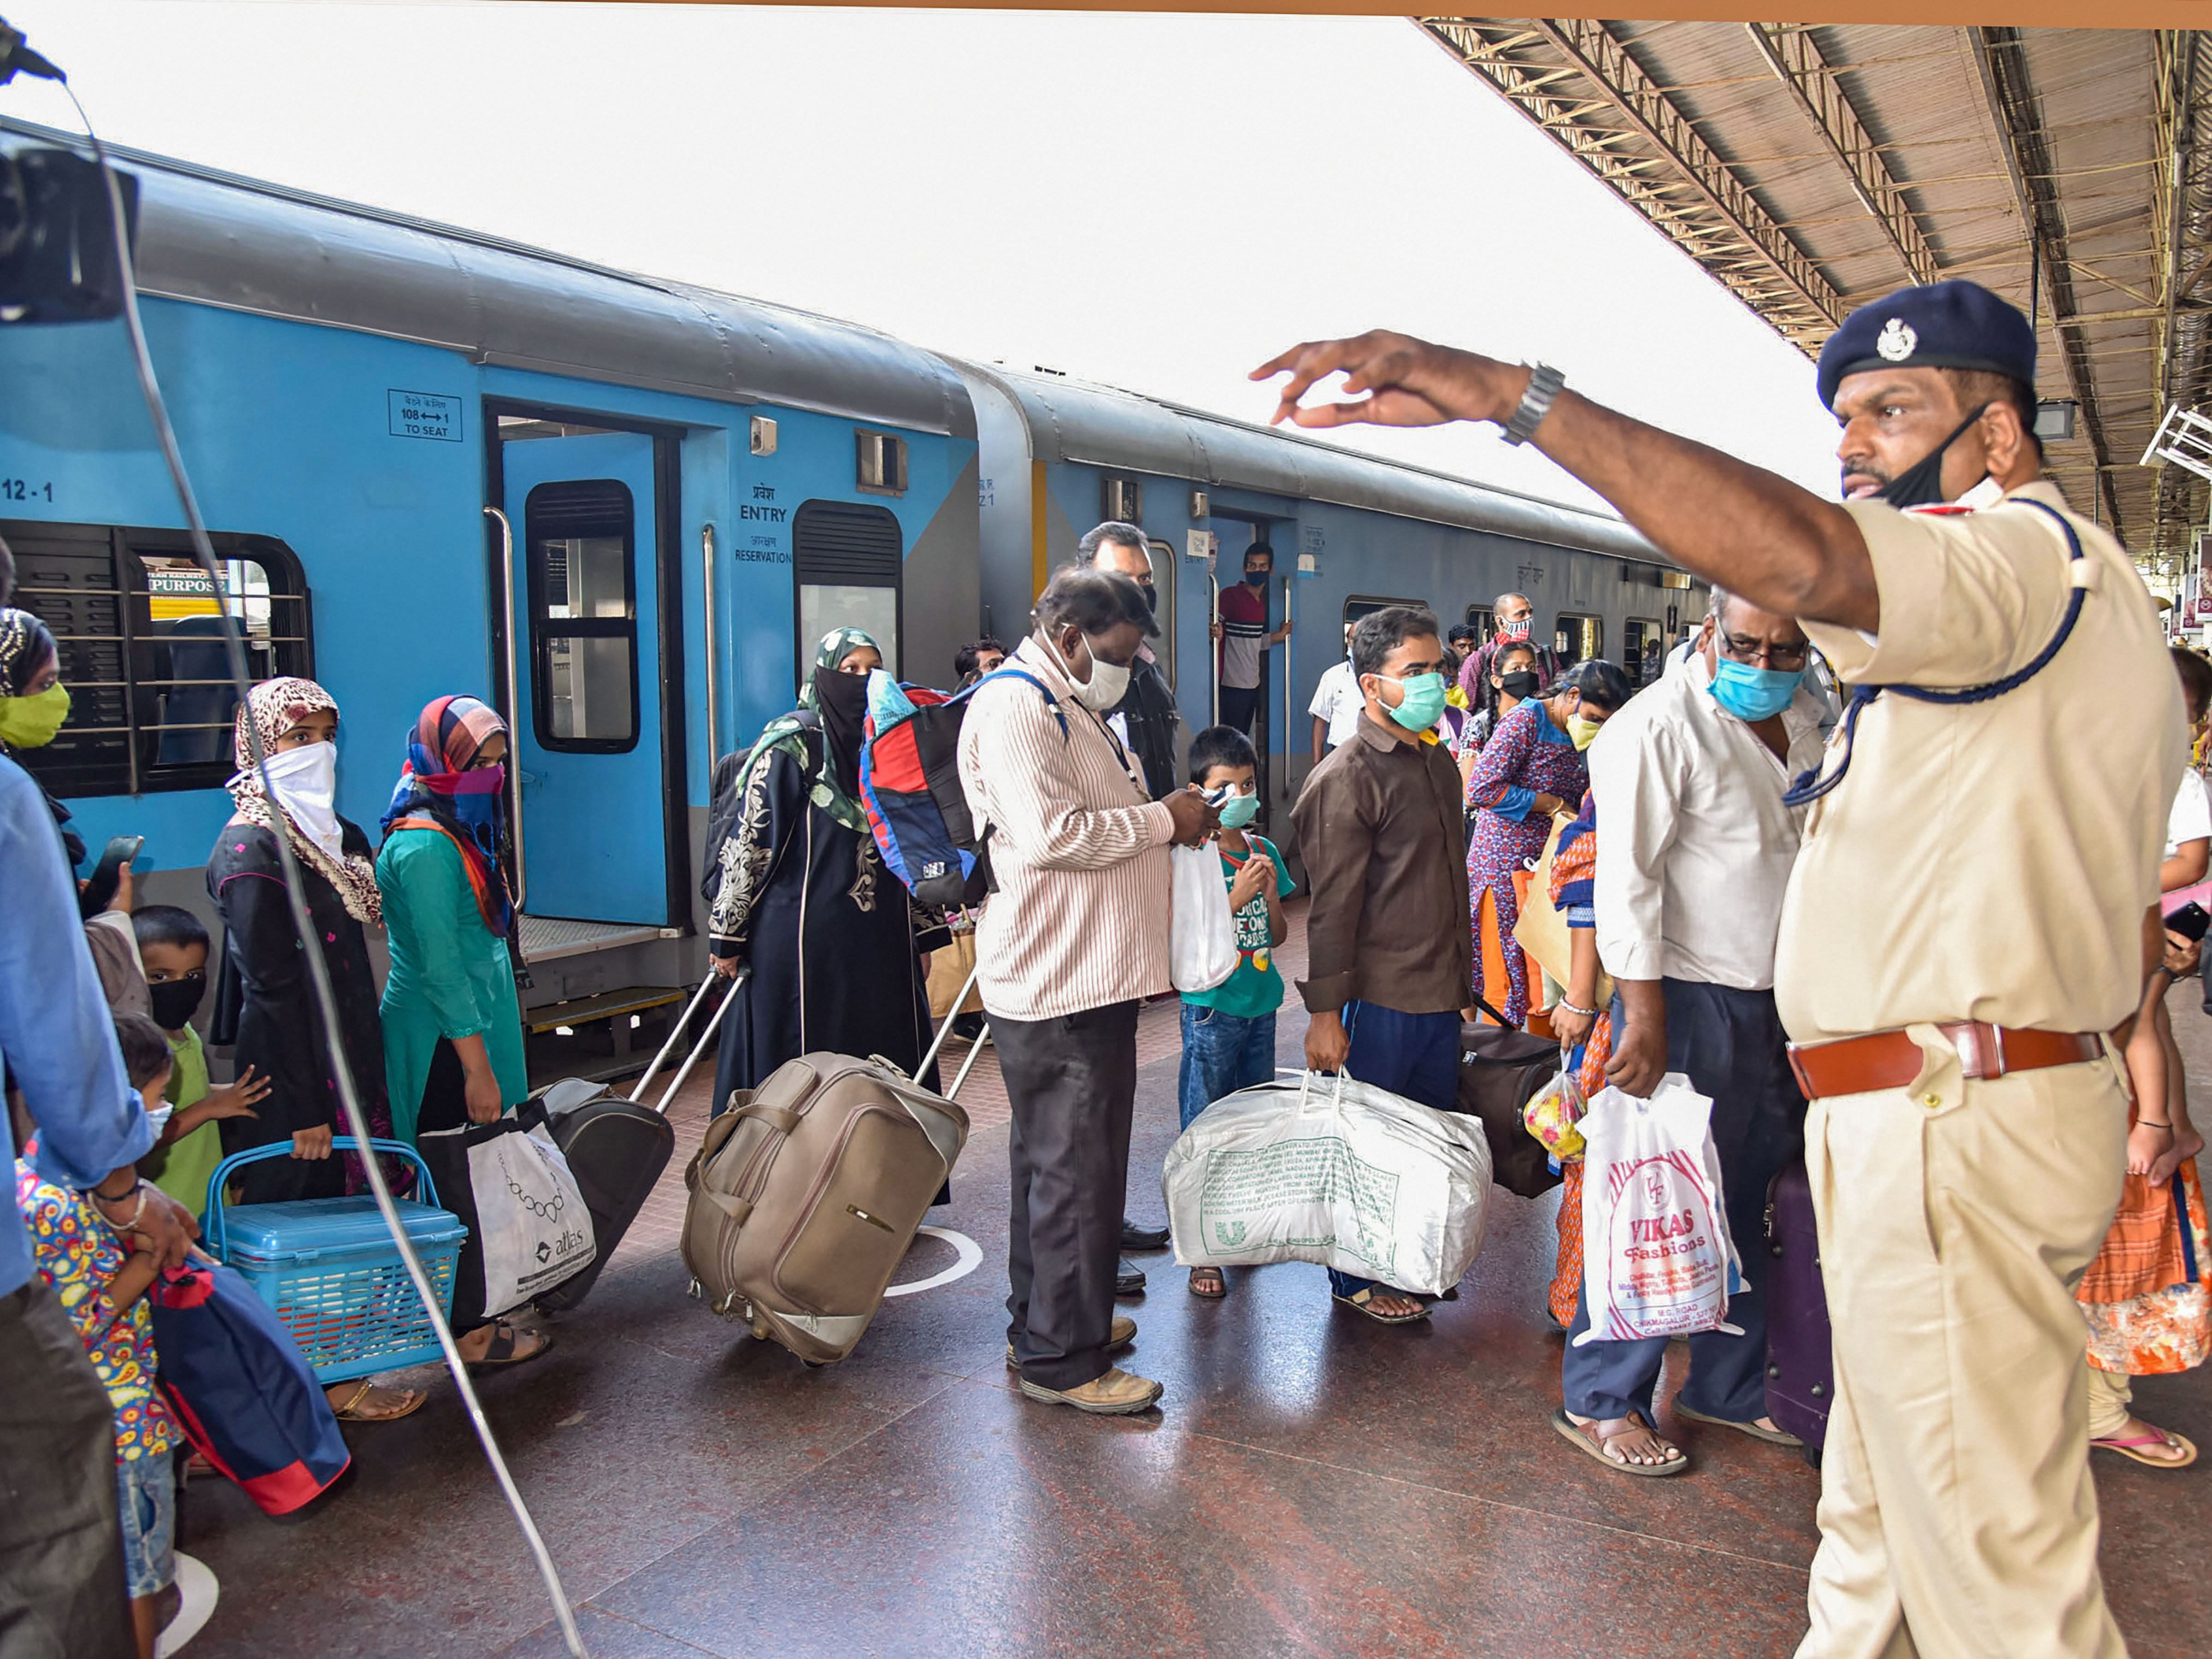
(1120, 1335)
(1117, 1393)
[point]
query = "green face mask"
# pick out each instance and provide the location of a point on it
(30, 723)
(1423, 702)
(1582, 730)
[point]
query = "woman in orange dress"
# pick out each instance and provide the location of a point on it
(1578, 1022)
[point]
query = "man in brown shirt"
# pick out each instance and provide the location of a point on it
(1390, 944)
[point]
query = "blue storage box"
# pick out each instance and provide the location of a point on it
(331, 1271)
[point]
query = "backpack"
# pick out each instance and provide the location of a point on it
(723, 805)
(910, 785)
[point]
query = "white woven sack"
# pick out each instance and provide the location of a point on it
(1332, 1171)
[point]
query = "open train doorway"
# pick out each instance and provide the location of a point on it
(584, 568)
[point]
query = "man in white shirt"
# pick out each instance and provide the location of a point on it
(1336, 705)
(1694, 851)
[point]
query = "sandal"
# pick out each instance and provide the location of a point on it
(1214, 1286)
(2128, 1446)
(353, 1411)
(1756, 1430)
(1601, 1447)
(1363, 1302)
(501, 1350)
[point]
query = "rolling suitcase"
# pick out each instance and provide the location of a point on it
(1800, 1378)
(615, 1145)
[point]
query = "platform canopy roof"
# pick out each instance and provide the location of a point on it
(1811, 168)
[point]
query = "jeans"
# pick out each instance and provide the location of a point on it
(1221, 1054)
(1238, 705)
(1415, 1055)
(146, 1495)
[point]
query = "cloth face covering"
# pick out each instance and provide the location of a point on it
(305, 781)
(175, 1001)
(1921, 484)
(1520, 684)
(438, 781)
(1751, 693)
(825, 782)
(1582, 730)
(30, 723)
(274, 707)
(1515, 631)
(25, 647)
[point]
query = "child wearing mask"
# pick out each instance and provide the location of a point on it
(172, 947)
(101, 1275)
(1229, 1032)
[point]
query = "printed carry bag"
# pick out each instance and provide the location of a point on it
(1329, 1170)
(1657, 1259)
(528, 1228)
(1201, 933)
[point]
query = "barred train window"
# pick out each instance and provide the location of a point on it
(138, 626)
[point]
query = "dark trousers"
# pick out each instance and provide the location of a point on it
(1730, 1045)
(1415, 1055)
(1071, 1084)
(62, 1590)
(1239, 704)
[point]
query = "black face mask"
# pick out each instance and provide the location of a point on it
(1152, 595)
(1921, 484)
(1255, 578)
(1521, 683)
(175, 1001)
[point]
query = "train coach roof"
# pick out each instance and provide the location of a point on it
(1071, 420)
(245, 245)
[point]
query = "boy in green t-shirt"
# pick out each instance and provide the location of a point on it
(1229, 1032)
(173, 946)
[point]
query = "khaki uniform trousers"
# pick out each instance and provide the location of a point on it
(1958, 1516)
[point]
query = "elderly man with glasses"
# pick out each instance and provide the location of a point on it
(1694, 851)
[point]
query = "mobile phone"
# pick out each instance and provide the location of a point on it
(100, 891)
(2191, 921)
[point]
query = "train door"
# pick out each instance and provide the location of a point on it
(591, 831)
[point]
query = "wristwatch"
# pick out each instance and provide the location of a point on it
(1544, 384)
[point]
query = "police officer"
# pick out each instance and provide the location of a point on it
(1972, 918)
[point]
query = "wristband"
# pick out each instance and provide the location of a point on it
(1544, 384)
(131, 1225)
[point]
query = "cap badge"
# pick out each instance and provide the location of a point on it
(1897, 341)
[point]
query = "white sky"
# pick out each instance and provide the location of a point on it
(1157, 202)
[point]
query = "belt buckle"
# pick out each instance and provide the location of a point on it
(1980, 1048)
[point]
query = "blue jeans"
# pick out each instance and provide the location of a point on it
(1221, 1054)
(146, 1494)
(1415, 1055)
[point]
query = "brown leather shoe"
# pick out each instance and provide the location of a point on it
(1117, 1393)
(1120, 1335)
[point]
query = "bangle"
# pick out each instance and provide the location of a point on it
(131, 1225)
(1566, 1006)
(2145, 1123)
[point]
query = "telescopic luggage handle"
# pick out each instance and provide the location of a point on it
(945, 1030)
(698, 1048)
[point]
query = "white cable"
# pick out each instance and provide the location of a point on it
(318, 968)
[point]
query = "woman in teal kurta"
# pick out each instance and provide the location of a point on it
(452, 1025)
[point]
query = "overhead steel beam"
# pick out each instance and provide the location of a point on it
(1797, 64)
(1630, 134)
(2001, 58)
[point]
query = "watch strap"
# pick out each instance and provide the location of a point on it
(1544, 384)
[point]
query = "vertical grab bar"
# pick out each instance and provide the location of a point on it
(1290, 707)
(713, 653)
(1213, 646)
(514, 698)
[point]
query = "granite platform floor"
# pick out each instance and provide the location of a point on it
(1314, 1484)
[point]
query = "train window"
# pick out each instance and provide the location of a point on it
(1482, 619)
(1360, 605)
(1123, 499)
(1579, 639)
(581, 559)
(846, 559)
(882, 463)
(138, 625)
(1642, 648)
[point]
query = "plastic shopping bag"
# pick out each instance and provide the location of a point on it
(1329, 1170)
(528, 1228)
(1555, 1111)
(1657, 1259)
(1201, 934)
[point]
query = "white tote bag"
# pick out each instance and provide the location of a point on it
(530, 1216)
(1201, 934)
(1330, 1170)
(1657, 1259)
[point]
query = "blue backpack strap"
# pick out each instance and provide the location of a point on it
(1051, 702)
(1811, 785)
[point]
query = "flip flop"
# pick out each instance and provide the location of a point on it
(1772, 1436)
(1220, 1283)
(500, 1351)
(1580, 1438)
(347, 1413)
(1360, 1303)
(2158, 1437)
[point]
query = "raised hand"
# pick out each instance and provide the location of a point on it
(1406, 382)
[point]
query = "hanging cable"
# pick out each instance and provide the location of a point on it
(318, 967)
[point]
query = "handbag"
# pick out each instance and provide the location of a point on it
(1501, 1071)
(529, 1227)
(1541, 928)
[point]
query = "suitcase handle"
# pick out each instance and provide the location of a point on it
(736, 984)
(425, 1192)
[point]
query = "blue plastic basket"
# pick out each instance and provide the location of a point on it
(330, 1269)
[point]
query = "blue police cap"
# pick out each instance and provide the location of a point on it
(1948, 325)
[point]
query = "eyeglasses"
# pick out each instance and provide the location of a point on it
(1742, 649)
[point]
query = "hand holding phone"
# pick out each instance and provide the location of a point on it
(98, 891)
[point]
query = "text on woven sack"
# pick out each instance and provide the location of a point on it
(1314, 1194)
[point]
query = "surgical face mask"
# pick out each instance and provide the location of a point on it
(175, 1001)
(1921, 484)
(1520, 685)
(1517, 629)
(30, 723)
(1239, 809)
(1108, 682)
(1751, 693)
(1582, 730)
(1422, 703)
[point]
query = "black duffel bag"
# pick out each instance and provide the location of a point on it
(1500, 1070)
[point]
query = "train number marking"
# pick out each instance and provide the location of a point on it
(423, 415)
(24, 490)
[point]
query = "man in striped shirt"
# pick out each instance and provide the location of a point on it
(1073, 938)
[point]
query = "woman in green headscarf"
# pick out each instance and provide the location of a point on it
(802, 897)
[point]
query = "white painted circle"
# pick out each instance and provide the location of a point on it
(199, 1594)
(971, 1258)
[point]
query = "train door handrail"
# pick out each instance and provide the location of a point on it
(713, 641)
(1290, 722)
(513, 700)
(1212, 646)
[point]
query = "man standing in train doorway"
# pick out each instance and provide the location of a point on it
(1242, 628)
(1966, 932)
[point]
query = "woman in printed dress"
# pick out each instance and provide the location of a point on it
(1528, 772)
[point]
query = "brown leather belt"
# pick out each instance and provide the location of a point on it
(1891, 1059)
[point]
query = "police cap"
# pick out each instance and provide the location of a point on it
(1947, 325)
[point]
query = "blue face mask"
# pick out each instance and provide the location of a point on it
(1750, 693)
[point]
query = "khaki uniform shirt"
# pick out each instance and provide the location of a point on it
(1988, 861)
